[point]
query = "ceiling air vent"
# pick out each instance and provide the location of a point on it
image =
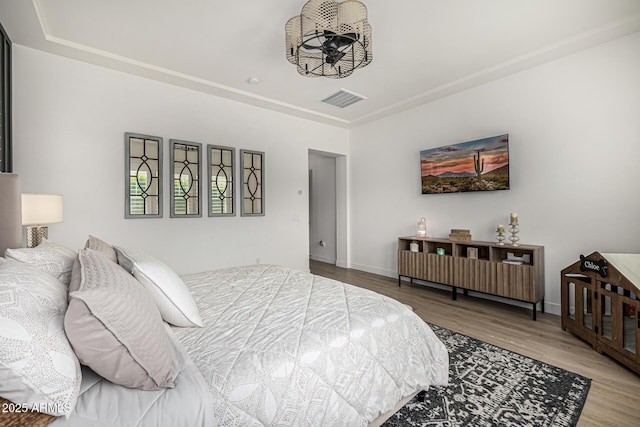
(343, 98)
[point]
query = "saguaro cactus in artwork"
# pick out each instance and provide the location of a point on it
(477, 165)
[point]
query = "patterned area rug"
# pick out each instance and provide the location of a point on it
(491, 386)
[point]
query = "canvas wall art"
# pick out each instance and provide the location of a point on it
(479, 165)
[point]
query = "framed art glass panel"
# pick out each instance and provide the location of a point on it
(221, 170)
(143, 176)
(186, 168)
(252, 170)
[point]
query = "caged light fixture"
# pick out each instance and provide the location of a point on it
(329, 38)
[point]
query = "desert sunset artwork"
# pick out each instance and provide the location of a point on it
(479, 165)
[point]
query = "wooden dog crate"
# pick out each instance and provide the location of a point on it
(600, 297)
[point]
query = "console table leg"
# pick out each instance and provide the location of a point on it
(454, 293)
(535, 310)
(542, 306)
(399, 280)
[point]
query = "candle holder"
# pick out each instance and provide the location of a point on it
(500, 236)
(422, 227)
(514, 234)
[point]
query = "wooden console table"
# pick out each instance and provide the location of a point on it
(485, 272)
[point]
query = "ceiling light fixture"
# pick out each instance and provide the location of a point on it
(329, 38)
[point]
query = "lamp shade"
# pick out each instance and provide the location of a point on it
(41, 208)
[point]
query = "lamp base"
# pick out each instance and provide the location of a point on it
(35, 234)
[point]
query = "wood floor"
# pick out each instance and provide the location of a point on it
(614, 397)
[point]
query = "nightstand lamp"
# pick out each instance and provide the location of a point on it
(40, 209)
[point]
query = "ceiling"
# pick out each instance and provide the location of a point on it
(423, 50)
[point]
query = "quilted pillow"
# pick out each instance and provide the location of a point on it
(37, 365)
(115, 328)
(167, 289)
(101, 246)
(50, 257)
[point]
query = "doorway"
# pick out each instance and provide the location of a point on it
(327, 208)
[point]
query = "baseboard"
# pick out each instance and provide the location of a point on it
(342, 264)
(374, 270)
(323, 259)
(553, 308)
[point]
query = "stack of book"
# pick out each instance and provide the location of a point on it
(517, 260)
(460, 235)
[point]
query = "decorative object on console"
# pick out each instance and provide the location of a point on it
(460, 235)
(422, 227)
(517, 260)
(600, 298)
(481, 165)
(513, 222)
(329, 38)
(414, 246)
(513, 218)
(40, 209)
(500, 234)
(472, 252)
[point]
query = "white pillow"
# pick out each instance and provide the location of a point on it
(171, 295)
(50, 257)
(38, 367)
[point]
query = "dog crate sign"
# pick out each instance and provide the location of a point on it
(599, 267)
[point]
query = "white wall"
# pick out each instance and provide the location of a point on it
(322, 215)
(574, 127)
(69, 125)
(574, 142)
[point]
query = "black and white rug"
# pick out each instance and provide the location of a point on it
(492, 386)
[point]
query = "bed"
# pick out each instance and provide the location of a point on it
(245, 346)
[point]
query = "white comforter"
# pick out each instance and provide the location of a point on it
(283, 347)
(279, 347)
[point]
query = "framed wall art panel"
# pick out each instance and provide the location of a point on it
(186, 168)
(252, 171)
(221, 172)
(143, 176)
